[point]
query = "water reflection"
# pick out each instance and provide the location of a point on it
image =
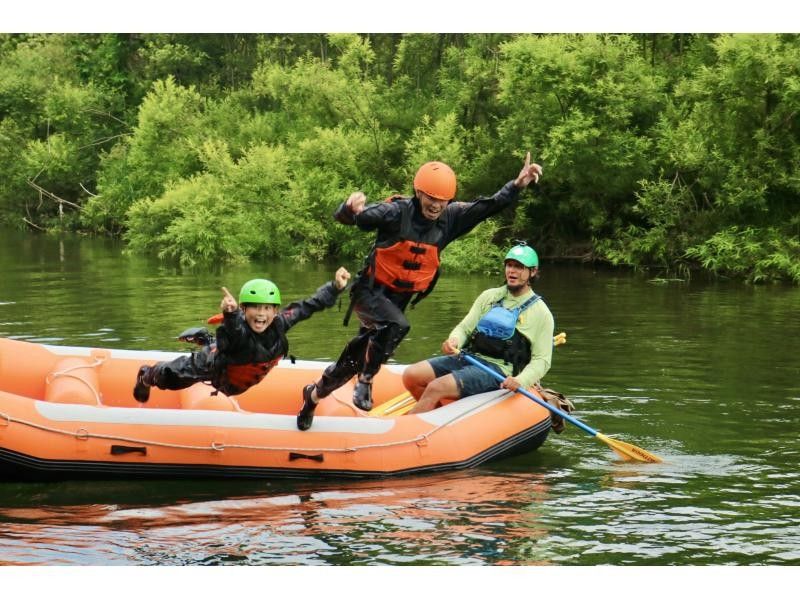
(587, 509)
(702, 373)
(464, 518)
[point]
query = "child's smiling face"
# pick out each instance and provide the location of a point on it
(259, 315)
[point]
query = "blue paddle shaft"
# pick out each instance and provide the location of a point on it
(535, 399)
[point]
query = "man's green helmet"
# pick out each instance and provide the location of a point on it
(524, 255)
(260, 290)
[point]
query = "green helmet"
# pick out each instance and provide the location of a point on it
(524, 255)
(260, 290)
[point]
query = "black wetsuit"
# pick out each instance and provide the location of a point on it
(379, 309)
(241, 357)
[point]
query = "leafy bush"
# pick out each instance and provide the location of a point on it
(666, 150)
(758, 255)
(158, 153)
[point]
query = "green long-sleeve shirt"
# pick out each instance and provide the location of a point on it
(535, 323)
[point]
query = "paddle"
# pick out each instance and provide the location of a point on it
(628, 452)
(398, 405)
(404, 402)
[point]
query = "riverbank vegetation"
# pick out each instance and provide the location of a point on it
(674, 151)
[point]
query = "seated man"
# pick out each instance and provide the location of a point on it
(509, 328)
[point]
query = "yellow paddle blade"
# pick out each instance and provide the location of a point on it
(627, 451)
(394, 406)
(402, 408)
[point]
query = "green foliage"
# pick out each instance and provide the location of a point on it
(34, 65)
(213, 216)
(584, 105)
(50, 128)
(670, 150)
(758, 255)
(468, 80)
(417, 59)
(158, 153)
(743, 105)
(12, 181)
(353, 54)
(440, 140)
(102, 60)
(308, 95)
(330, 166)
(165, 58)
(729, 143)
(665, 209)
(476, 252)
(180, 223)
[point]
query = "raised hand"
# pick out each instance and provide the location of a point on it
(355, 203)
(228, 303)
(530, 172)
(341, 277)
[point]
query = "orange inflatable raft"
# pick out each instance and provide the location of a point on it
(68, 413)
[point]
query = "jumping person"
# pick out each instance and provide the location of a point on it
(509, 328)
(249, 343)
(412, 232)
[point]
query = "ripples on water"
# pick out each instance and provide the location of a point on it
(463, 519)
(586, 510)
(704, 375)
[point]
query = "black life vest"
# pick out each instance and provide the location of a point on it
(496, 335)
(409, 261)
(235, 372)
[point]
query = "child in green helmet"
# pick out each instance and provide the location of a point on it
(249, 343)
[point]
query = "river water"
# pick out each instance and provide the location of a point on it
(703, 373)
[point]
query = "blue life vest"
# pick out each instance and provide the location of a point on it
(499, 322)
(496, 335)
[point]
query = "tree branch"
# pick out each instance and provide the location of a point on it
(87, 191)
(45, 193)
(31, 224)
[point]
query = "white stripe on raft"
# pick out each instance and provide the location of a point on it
(64, 412)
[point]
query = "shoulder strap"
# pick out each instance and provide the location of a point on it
(529, 302)
(521, 308)
(349, 312)
(422, 294)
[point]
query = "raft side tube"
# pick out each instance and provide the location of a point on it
(73, 380)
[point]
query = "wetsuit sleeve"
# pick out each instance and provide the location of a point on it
(373, 216)
(467, 215)
(537, 325)
(343, 215)
(232, 334)
(324, 297)
(467, 326)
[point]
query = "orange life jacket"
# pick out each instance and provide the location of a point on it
(409, 262)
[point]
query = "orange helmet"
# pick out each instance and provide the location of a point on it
(436, 179)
